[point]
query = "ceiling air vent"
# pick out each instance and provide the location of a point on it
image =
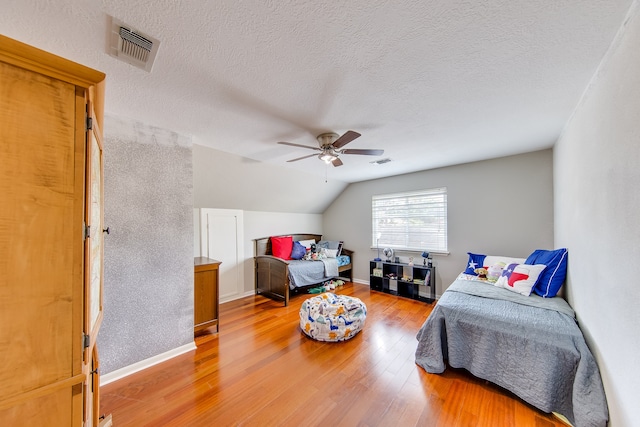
(131, 46)
(381, 161)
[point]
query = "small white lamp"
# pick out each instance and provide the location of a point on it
(378, 246)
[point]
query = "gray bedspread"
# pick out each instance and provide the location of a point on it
(305, 273)
(536, 352)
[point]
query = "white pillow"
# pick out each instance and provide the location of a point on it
(331, 253)
(520, 278)
(307, 243)
(495, 259)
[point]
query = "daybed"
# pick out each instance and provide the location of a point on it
(276, 277)
(527, 344)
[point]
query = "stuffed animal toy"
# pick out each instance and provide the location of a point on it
(332, 284)
(495, 271)
(481, 272)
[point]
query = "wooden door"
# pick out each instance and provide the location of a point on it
(93, 266)
(43, 146)
(40, 255)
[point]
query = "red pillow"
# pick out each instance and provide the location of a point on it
(281, 246)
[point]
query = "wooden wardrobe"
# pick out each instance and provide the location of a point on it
(51, 236)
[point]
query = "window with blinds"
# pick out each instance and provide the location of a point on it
(415, 221)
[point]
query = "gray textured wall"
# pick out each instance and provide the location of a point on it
(148, 257)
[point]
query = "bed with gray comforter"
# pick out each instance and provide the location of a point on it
(529, 345)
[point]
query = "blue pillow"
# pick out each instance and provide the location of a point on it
(551, 280)
(475, 261)
(298, 251)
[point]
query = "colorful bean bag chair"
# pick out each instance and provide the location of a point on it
(331, 317)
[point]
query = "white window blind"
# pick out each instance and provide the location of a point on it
(411, 221)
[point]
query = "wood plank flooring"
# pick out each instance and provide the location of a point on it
(261, 370)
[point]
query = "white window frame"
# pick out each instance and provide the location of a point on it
(410, 221)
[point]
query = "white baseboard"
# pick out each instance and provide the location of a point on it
(144, 364)
(238, 296)
(248, 294)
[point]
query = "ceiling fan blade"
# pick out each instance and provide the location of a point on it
(299, 145)
(337, 162)
(363, 151)
(346, 138)
(303, 157)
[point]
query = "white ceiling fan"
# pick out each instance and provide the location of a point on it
(330, 147)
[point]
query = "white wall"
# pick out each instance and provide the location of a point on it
(501, 207)
(264, 224)
(274, 200)
(597, 173)
(227, 181)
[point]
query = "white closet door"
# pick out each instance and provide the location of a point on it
(222, 240)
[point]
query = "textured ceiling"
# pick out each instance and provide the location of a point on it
(433, 83)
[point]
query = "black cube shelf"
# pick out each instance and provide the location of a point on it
(410, 281)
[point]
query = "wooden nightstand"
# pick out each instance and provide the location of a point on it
(206, 301)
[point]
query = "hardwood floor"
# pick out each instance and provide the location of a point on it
(261, 370)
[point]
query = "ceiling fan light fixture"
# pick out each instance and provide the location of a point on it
(330, 147)
(327, 157)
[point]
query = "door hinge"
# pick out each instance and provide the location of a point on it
(89, 123)
(87, 231)
(86, 341)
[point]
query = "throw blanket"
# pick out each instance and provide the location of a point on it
(537, 353)
(330, 267)
(306, 273)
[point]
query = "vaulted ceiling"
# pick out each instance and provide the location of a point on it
(433, 83)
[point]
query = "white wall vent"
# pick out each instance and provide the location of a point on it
(132, 46)
(381, 161)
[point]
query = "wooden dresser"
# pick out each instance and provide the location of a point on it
(206, 294)
(51, 235)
